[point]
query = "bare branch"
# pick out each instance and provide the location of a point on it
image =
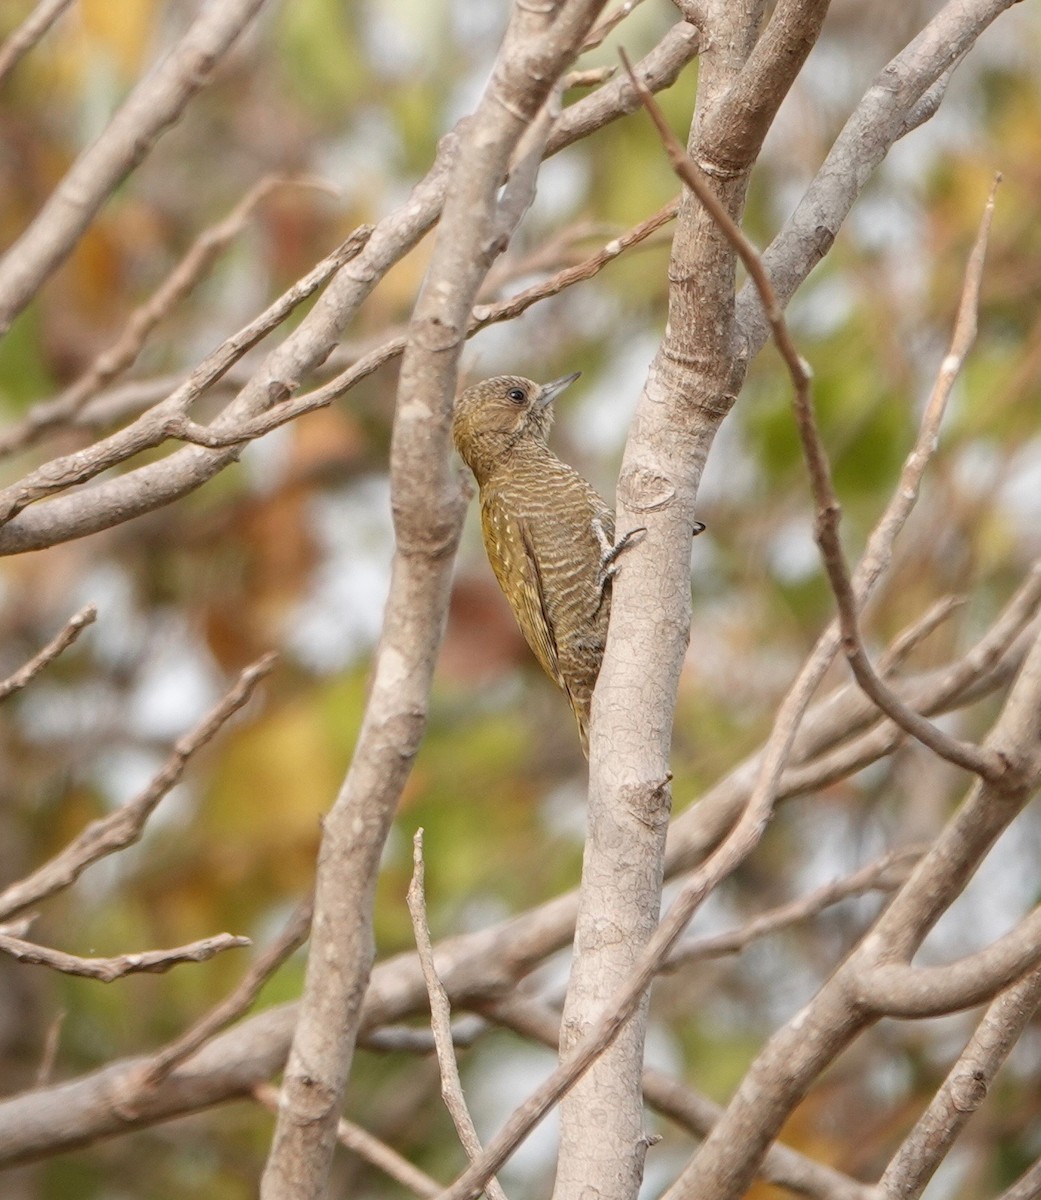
(972, 758)
(734, 132)
(608, 24)
(962, 1092)
(35, 26)
(408, 1039)
(658, 69)
(124, 826)
(903, 645)
(180, 281)
(883, 875)
(900, 990)
(73, 628)
(518, 192)
(907, 91)
(441, 1018)
(482, 316)
(50, 1050)
(156, 484)
(157, 1068)
(687, 1108)
(152, 428)
(966, 755)
(359, 1141)
(150, 109)
(108, 969)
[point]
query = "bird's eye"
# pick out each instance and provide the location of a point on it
(516, 395)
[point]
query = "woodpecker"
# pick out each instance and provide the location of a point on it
(549, 536)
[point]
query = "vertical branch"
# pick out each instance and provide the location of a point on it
(691, 386)
(441, 1018)
(428, 507)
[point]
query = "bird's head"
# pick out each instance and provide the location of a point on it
(494, 416)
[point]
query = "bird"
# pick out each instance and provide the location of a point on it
(549, 535)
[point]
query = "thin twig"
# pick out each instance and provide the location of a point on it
(29, 33)
(593, 77)
(979, 760)
(607, 25)
(367, 1146)
(106, 970)
(124, 826)
(440, 1019)
(902, 646)
(61, 642)
(982, 761)
(152, 107)
(409, 1039)
(883, 875)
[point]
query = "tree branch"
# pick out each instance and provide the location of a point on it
(179, 282)
(153, 427)
(124, 826)
(159, 1066)
(60, 643)
(733, 134)
(905, 93)
(151, 108)
(362, 1143)
(482, 966)
(157, 484)
(482, 316)
(441, 1018)
(108, 969)
(902, 990)
(428, 508)
(883, 875)
(31, 31)
(963, 1091)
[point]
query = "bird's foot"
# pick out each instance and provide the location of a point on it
(609, 554)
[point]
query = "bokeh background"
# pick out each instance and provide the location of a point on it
(290, 550)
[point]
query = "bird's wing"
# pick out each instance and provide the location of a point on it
(533, 598)
(511, 552)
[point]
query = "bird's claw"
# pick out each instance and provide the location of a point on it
(609, 554)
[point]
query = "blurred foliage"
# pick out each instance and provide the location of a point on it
(290, 550)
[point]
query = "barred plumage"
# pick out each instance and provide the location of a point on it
(548, 534)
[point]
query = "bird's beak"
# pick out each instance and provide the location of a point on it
(550, 391)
